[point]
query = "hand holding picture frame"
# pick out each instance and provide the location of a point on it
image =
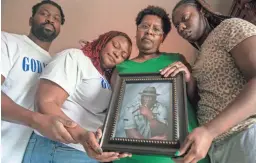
(147, 115)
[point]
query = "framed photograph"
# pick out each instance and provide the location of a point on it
(147, 115)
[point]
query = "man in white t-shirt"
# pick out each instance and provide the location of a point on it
(23, 58)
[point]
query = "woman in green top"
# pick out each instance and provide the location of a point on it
(153, 24)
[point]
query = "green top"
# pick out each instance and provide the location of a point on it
(150, 66)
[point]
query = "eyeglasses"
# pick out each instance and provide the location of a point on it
(145, 27)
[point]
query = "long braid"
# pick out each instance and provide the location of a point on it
(93, 50)
(213, 18)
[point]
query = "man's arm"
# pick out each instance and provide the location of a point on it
(10, 110)
(157, 127)
(14, 113)
(45, 124)
(130, 124)
(133, 133)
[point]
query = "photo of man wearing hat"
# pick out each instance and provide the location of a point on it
(148, 118)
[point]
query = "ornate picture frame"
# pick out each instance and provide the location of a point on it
(158, 127)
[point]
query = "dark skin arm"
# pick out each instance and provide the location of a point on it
(15, 113)
(242, 107)
(49, 126)
(133, 133)
(157, 128)
(50, 98)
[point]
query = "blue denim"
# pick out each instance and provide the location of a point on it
(43, 150)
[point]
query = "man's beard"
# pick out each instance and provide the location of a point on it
(43, 34)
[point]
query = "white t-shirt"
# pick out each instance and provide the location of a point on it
(89, 92)
(22, 62)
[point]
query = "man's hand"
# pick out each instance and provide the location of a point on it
(54, 127)
(145, 111)
(90, 142)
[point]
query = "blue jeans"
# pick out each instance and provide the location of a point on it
(43, 150)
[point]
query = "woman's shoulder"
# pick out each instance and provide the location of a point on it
(231, 32)
(234, 21)
(234, 25)
(75, 54)
(70, 51)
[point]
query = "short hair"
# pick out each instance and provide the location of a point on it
(36, 7)
(158, 11)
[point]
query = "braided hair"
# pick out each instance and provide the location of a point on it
(93, 49)
(213, 18)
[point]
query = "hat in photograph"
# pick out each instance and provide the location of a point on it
(149, 91)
